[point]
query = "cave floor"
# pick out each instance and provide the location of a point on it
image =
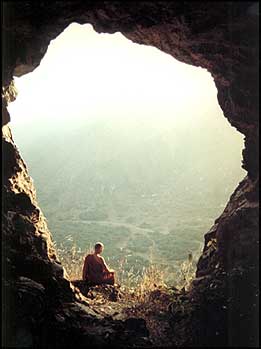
(153, 307)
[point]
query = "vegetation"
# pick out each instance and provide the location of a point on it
(148, 187)
(149, 191)
(144, 294)
(142, 279)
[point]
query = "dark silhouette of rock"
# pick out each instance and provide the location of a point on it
(221, 37)
(108, 292)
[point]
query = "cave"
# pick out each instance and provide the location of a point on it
(41, 307)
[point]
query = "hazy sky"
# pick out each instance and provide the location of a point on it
(85, 74)
(142, 91)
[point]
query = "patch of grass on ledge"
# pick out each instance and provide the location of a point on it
(138, 281)
(144, 293)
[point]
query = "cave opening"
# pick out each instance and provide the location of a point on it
(139, 153)
(40, 306)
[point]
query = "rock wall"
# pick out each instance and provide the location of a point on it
(33, 278)
(219, 36)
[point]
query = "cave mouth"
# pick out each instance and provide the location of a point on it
(184, 106)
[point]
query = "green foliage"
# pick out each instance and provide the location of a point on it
(132, 272)
(139, 190)
(93, 215)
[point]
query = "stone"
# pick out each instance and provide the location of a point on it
(221, 37)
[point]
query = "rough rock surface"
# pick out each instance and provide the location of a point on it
(219, 36)
(40, 305)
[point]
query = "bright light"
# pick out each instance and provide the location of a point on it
(85, 75)
(104, 123)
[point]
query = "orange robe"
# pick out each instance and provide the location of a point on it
(95, 271)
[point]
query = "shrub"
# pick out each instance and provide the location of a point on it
(139, 281)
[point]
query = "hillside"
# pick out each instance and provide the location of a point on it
(148, 189)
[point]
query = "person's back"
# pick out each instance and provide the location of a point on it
(95, 270)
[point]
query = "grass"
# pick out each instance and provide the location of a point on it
(72, 259)
(144, 294)
(141, 282)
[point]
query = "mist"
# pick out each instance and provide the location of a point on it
(125, 145)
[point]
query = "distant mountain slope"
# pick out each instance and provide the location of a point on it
(163, 178)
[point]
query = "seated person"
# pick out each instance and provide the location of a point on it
(95, 270)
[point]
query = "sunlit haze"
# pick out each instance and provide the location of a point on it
(85, 75)
(125, 145)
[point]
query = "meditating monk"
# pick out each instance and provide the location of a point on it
(95, 270)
